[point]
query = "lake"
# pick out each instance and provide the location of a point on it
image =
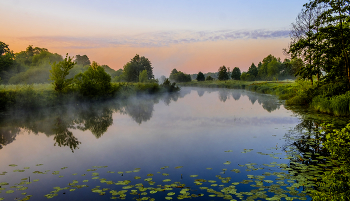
(199, 143)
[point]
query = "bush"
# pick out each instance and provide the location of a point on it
(94, 82)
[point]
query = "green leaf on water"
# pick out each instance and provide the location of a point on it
(227, 163)
(178, 167)
(165, 174)
(166, 180)
(12, 165)
(72, 189)
(86, 180)
(39, 164)
(193, 175)
(35, 180)
(10, 191)
(149, 175)
(137, 177)
(209, 168)
(164, 167)
(26, 168)
(110, 172)
(95, 174)
(168, 198)
(229, 151)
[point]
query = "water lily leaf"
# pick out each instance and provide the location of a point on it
(165, 174)
(137, 177)
(149, 175)
(164, 167)
(35, 180)
(209, 168)
(72, 189)
(168, 198)
(229, 151)
(12, 165)
(227, 163)
(178, 167)
(95, 174)
(39, 164)
(128, 171)
(120, 172)
(171, 193)
(110, 172)
(10, 191)
(166, 180)
(193, 175)
(85, 180)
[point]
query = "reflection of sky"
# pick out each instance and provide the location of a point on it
(193, 132)
(112, 32)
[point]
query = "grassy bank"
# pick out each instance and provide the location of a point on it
(327, 98)
(43, 95)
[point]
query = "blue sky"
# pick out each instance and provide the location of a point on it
(152, 28)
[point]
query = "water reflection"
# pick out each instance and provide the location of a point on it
(63, 136)
(98, 117)
(93, 117)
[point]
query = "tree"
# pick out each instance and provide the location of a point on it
(134, 67)
(94, 82)
(178, 76)
(305, 42)
(6, 59)
(209, 78)
(236, 74)
(59, 71)
(143, 76)
(82, 60)
(200, 76)
(273, 69)
(222, 73)
(253, 70)
(334, 34)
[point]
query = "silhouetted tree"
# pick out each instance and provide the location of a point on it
(200, 77)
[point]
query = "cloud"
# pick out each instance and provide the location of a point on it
(159, 39)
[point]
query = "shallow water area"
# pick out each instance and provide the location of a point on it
(199, 143)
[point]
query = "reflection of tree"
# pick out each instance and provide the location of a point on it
(97, 120)
(236, 95)
(200, 92)
(252, 98)
(8, 135)
(63, 136)
(139, 110)
(223, 95)
(268, 103)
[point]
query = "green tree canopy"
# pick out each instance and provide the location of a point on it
(134, 67)
(223, 73)
(236, 74)
(253, 70)
(94, 82)
(59, 71)
(178, 76)
(200, 76)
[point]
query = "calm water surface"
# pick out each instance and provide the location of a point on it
(86, 149)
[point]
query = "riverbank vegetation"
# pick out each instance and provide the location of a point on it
(37, 78)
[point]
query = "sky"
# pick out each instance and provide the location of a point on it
(189, 35)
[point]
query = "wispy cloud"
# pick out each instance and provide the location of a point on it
(159, 39)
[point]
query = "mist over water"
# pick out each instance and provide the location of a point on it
(192, 128)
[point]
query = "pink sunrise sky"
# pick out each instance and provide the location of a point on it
(191, 36)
